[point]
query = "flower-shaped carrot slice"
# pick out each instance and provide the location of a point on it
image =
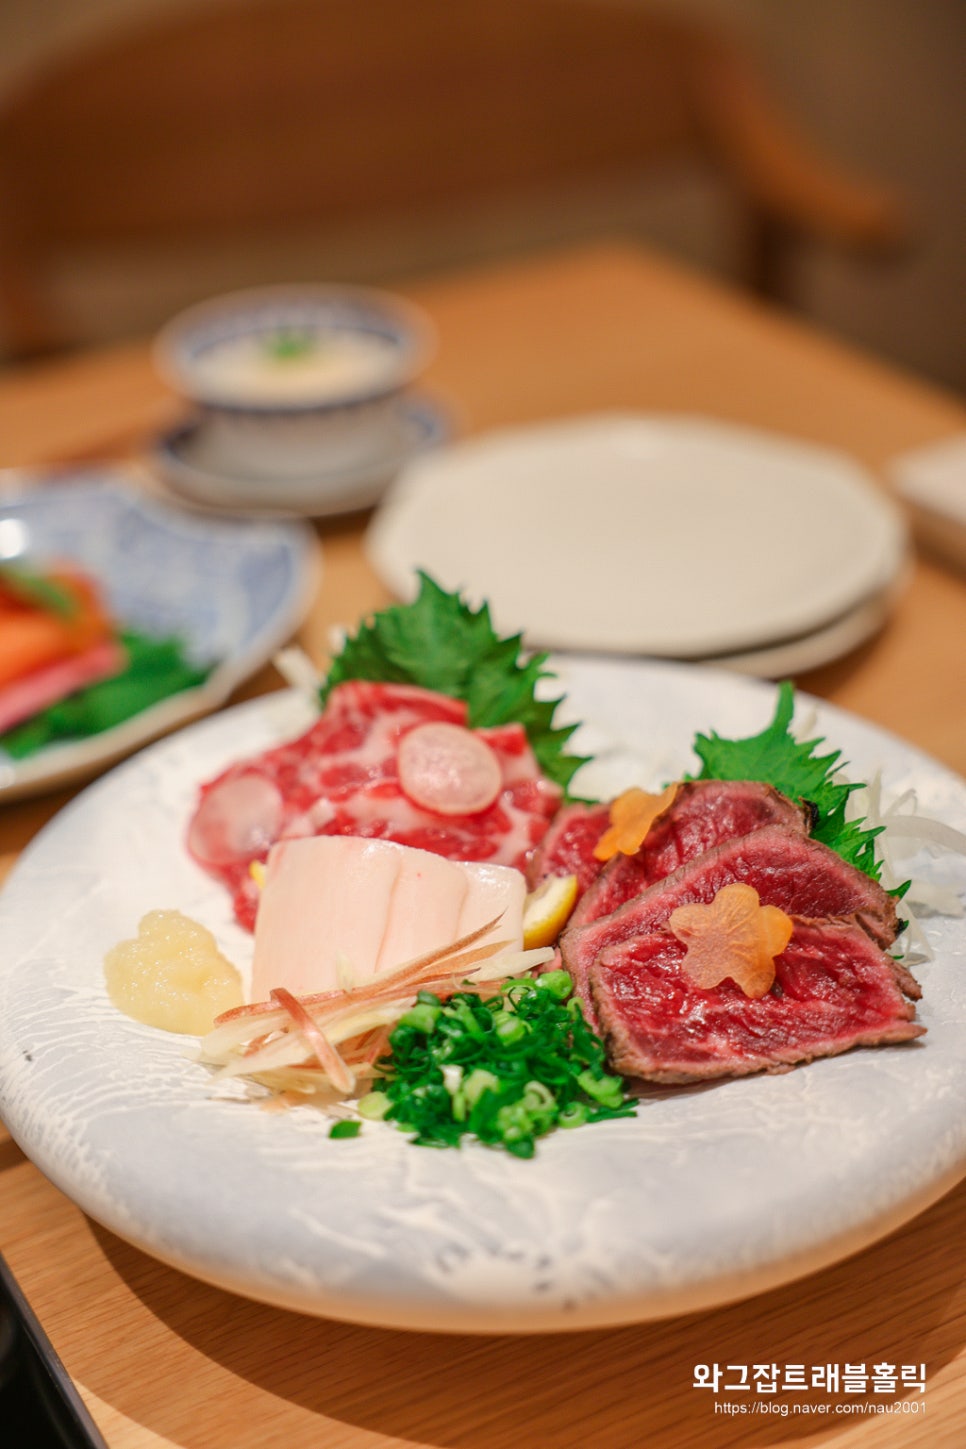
(734, 935)
(631, 816)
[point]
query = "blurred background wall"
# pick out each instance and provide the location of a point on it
(877, 81)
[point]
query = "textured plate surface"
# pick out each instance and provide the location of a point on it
(675, 537)
(232, 590)
(708, 1194)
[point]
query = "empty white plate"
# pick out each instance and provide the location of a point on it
(674, 537)
(932, 481)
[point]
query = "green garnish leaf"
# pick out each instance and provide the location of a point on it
(438, 642)
(506, 1070)
(290, 344)
(156, 668)
(793, 767)
(37, 590)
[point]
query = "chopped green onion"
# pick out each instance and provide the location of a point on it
(478, 1082)
(607, 1090)
(506, 1070)
(538, 1096)
(346, 1128)
(559, 983)
(573, 1116)
(509, 1028)
(374, 1105)
(421, 1017)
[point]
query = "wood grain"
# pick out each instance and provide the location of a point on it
(163, 1360)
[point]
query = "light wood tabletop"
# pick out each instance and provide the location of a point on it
(162, 1360)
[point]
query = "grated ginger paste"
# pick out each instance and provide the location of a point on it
(172, 975)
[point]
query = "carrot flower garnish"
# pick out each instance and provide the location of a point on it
(733, 936)
(631, 816)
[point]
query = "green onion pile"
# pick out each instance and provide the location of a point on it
(505, 1070)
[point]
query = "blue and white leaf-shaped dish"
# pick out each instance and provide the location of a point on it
(233, 590)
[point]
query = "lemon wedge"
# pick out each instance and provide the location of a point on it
(546, 910)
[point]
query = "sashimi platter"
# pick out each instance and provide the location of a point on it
(469, 989)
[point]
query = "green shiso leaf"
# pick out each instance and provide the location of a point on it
(37, 590)
(438, 642)
(794, 768)
(156, 668)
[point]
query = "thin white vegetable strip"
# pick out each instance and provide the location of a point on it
(234, 1026)
(279, 1041)
(290, 1049)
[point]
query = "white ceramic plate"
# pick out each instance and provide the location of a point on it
(234, 591)
(191, 467)
(791, 657)
(932, 482)
(674, 537)
(708, 1194)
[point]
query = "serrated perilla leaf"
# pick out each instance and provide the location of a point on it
(439, 642)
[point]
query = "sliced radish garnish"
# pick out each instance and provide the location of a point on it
(236, 819)
(449, 769)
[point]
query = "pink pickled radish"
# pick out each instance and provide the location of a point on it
(449, 769)
(236, 820)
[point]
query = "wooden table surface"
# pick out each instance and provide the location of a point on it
(162, 1360)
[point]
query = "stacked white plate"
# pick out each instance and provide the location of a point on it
(668, 537)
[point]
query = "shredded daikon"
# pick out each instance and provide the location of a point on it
(297, 669)
(905, 832)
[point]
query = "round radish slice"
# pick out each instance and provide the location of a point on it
(449, 769)
(236, 820)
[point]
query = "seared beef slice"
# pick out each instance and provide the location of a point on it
(834, 989)
(704, 814)
(786, 868)
(568, 846)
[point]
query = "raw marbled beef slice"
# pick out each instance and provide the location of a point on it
(341, 778)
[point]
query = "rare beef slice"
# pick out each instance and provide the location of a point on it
(568, 846)
(834, 989)
(786, 867)
(704, 813)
